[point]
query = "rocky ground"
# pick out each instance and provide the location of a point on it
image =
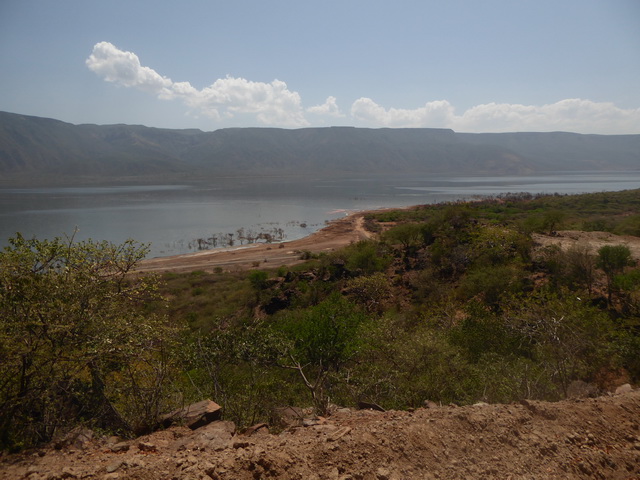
(578, 438)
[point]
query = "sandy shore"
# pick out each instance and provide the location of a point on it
(337, 234)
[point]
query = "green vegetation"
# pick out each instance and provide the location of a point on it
(77, 342)
(451, 303)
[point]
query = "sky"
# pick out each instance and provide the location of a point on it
(472, 66)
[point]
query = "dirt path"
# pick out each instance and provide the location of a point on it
(337, 234)
(596, 438)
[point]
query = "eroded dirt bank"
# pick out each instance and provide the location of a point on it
(582, 438)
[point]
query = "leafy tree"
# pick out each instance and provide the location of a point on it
(581, 265)
(612, 259)
(373, 292)
(76, 339)
(322, 339)
(410, 235)
(570, 339)
(552, 220)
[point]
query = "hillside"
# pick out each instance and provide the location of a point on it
(38, 150)
(488, 339)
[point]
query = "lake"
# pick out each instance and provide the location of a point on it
(173, 217)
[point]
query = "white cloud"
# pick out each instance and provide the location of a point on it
(436, 114)
(574, 115)
(329, 107)
(271, 103)
(275, 105)
(124, 68)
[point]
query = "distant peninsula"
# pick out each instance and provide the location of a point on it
(36, 151)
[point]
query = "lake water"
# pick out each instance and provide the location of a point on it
(172, 217)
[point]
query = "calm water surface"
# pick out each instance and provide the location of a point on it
(171, 217)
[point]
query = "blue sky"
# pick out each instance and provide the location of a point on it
(474, 66)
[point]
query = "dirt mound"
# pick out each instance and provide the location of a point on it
(581, 438)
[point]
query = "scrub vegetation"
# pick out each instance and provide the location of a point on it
(448, 303)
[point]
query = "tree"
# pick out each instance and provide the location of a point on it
(612, 259)
(75, 340)
(552, 219)
(322, 339)
(568, 338)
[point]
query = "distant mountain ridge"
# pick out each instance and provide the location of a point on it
(40, 149)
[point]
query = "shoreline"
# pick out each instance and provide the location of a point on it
(337, 234)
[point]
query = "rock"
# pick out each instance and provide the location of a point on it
(290, 416)
(147, 447)
(68, 472)
(195, 415)
(370, 406)
(113, 466)
(626, 388)
(120, 447)
(254, 428)
(215, 436)
(580, 389)
(76, 438)
(382, 473)
(241, 444)
(338, 434)
(429, 404)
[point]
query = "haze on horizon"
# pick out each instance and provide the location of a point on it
(471, 66)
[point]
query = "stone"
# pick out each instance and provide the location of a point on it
(147, 447)
(626, 388)
(338, 434)
(581, 389)
(195, 415)
(120, 447)
(382, 474)
(215, 436)
(113, 466)
(255, 428)
(370, 406)
(76, 438)
(290, 416)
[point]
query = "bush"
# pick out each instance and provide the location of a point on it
(77, 342)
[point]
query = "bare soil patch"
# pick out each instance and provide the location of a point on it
(595, 240)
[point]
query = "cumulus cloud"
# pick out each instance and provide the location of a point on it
(271, 103)
(329, 107)
(436, 113)
(275, 105)
(575, 115)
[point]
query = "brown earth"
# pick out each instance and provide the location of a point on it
(594, 240)
(580, 438)
(337, 234)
